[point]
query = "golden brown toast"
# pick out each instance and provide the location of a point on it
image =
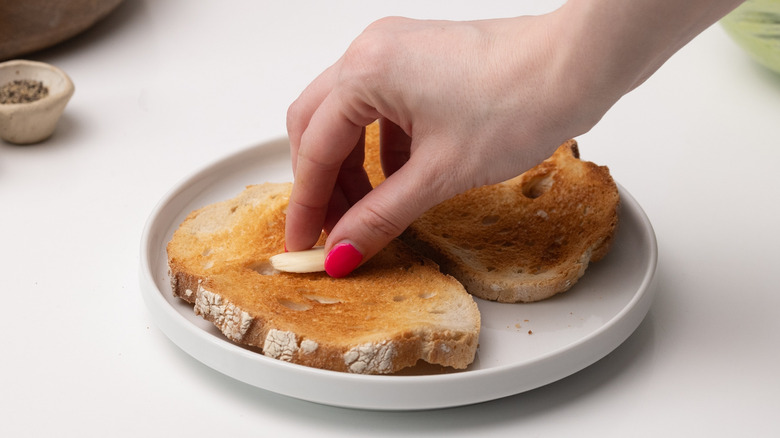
(396, 309)
(522, 240)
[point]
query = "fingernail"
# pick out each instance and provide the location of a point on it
(342, 259)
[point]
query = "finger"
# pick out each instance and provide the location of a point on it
(328, 140)
(351, 185)
(337, 207)
(352, 178)
(395, 146)
(384, 213)
(301, 110)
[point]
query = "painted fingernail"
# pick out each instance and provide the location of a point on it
(342, 259)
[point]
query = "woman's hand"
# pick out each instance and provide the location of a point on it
(461, 105)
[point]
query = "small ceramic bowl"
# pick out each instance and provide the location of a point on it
(32, 122)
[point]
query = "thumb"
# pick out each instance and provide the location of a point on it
(383, 214)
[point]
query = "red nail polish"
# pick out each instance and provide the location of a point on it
(342, 259)
(285, 246)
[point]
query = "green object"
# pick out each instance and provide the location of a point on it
(755, 26)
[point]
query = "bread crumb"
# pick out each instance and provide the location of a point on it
(308, 346)
(370, 358)
(230, 319)
(280, 345)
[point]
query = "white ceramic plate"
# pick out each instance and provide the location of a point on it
(522, 346)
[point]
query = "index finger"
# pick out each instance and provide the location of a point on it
(300, 112)
(327, 141)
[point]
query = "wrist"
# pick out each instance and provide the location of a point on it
(627, 41)
(599, 50)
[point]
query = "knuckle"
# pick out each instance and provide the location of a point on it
(373, 50)
(295, 115)
(313, 206)
(379, 224)
(319, 163)
(389, 23)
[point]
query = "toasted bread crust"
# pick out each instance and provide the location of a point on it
(522, 240)
(393, 311)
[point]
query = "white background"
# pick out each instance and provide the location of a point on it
(164, 88)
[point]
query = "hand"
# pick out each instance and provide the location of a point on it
(461, 105)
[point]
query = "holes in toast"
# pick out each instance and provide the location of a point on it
(322, 300)
(208, 263)
(537, 186)
(292, 305)
(426, 295)
(264, 268)
(399, 298)
(490, 220)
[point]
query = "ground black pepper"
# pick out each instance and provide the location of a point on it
(22, 91)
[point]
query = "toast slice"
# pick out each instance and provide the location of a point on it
(394, 310)
(522, 240)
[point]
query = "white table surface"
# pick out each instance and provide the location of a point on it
(165, 88)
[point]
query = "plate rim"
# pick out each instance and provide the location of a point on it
(402, 391)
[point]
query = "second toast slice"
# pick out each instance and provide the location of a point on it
(522, 240)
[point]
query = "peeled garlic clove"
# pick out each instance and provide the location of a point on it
(299, 262)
